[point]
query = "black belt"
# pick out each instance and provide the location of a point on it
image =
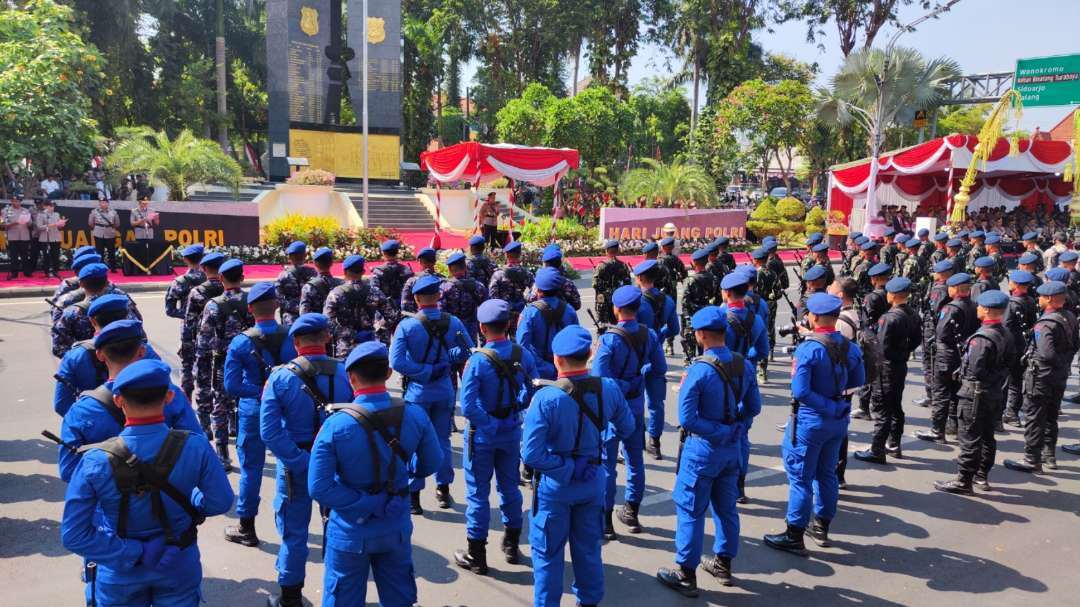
(305, 446)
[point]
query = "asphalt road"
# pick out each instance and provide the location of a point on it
(896, 540)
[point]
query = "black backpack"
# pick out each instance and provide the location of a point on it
(136, 477)
(321, 285)
(744, 329)
(381, 422)
(390, 280)
(838, 355)
(436, 329)
(577, 391)
(233, 308)
(728, 371)
(638, 342)
(658, 303)
(307, 371)
(267, 343)
(104, 395)
(508, 371)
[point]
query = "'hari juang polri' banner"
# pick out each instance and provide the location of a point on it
(641, 224)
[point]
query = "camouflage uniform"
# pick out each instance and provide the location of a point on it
(1000, 271)
(509, 283)
(390, 278)
(938, 255)
(608, 276)
(189, 330)
(176, 296)
(915, 270)
(358, 312)
(74, 325)
(461, 297)
(848, 261)
(313, 295)
(569, 292)
(480, 268)
(779, 271)
(804, 266)
(861, 275)
(974, 253)
(888, 254)
(768, 286)
(408, 304)
(66, 286)
(677, 271)
(926, 251)
(223, 318)
(700, 291)
(288, 285)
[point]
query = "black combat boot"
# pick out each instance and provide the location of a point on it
(526, 476)
(790, 540)
(742, 499)
(244, 533)
(442, 495)
(204, 421)
(950, 427)
(628, 515)
(894, 450)
(653, 448)
(290, 597)
(414, 503)
(1025, 465)
(510, 546)
(819, 532)
(720, 568)
(981, 483)
(680, 579)
(932, 436)
(868, 455)
(473, 559)
(223, 455)
(1049, 461)
(609, 528)
(956, 486)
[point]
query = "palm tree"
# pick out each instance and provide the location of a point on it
(880, 88)
(668, 182)
(177, 163)
(688, 37)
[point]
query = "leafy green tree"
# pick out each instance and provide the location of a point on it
(855, 20)
(661, 120)
(667, 183)
(595, 122)
(523, 120)
(963, 119)
(815, 220)
(421, 68)
(178, 162)
(451, 126)
(45, 71)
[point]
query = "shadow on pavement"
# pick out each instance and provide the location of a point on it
(24, 538)
(934, 504)
(30, 487)
(219, 591)
(24, 450)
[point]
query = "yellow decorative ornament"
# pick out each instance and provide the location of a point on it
(989, 134)
(1070, 172)
(309, 20)
(376, 30)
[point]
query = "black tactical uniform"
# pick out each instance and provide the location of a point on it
(956, 322)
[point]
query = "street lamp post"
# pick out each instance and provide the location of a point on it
(364, 110)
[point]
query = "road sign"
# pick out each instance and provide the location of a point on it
(920, 119)
(1048, 80)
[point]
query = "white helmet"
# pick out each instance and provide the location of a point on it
(669, 229)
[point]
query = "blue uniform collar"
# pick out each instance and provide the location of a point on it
(722, 353)
(628, 324)
(267, 326)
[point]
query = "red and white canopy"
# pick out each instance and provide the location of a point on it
(487, 162)
(927, 175)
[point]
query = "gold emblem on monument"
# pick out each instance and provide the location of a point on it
(376, 30)
(309, 20)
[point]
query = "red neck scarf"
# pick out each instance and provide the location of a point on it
(574, 373)
(318, 350)
(824, 329)
(145, 421)
(371, 390)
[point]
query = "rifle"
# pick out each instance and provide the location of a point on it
(794, 310)
(56, 439)
(53, 304)
(601, 328)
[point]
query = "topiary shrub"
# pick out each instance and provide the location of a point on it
(791, 209)
(815, 220)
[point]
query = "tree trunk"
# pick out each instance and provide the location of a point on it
(694, 107)
(219, 59)
(577, 63)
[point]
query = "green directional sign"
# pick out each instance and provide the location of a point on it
(1048, 80)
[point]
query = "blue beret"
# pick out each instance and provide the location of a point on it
(1030, 236)
(93, 270)
(549, 279)
(985, 262)
(923, 232)
(880, 269)
(993, 299)
(770, 244)
(551, 253)
(889, 232)
(426, 285)
(308, 324)
(820, 247)
(963, 278)
(369, 350)
(734, 280)
(512, 246)
(815, 273)
(1021, 277)
(768, 239)
(644, 266)
(112, 302)
(477, 240)
(759, 253)
(389, 246)
(119, 330)
(649, 247)
(954, 243)
(626, 295)
(84, 260)
(83, 250)
(573, 340)
(945, 265)
(898, 238)
(611, 243)
(1027, 258)
(493, 310)
(813, 239)
(232, 264)
(993, 238)
(854, 235)
(455, 257)
(194, 250)
(702, 253)
(749, 271)
(141, 374)
(824, 304)
(295, 248)
(978, 234)
(1059, 274)
(912, 243)
(212, 260)
(667, 242)
(724, 240)
(963, 234)
(1068, 256)
(260, 291)
(1051, 288)
(426, 252)
(898, 285)
(941, 237)
(869, 245)
(708, 318)
(322, 252)
(353, 262)
(861, 239)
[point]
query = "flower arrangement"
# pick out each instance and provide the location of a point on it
(312, 177)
